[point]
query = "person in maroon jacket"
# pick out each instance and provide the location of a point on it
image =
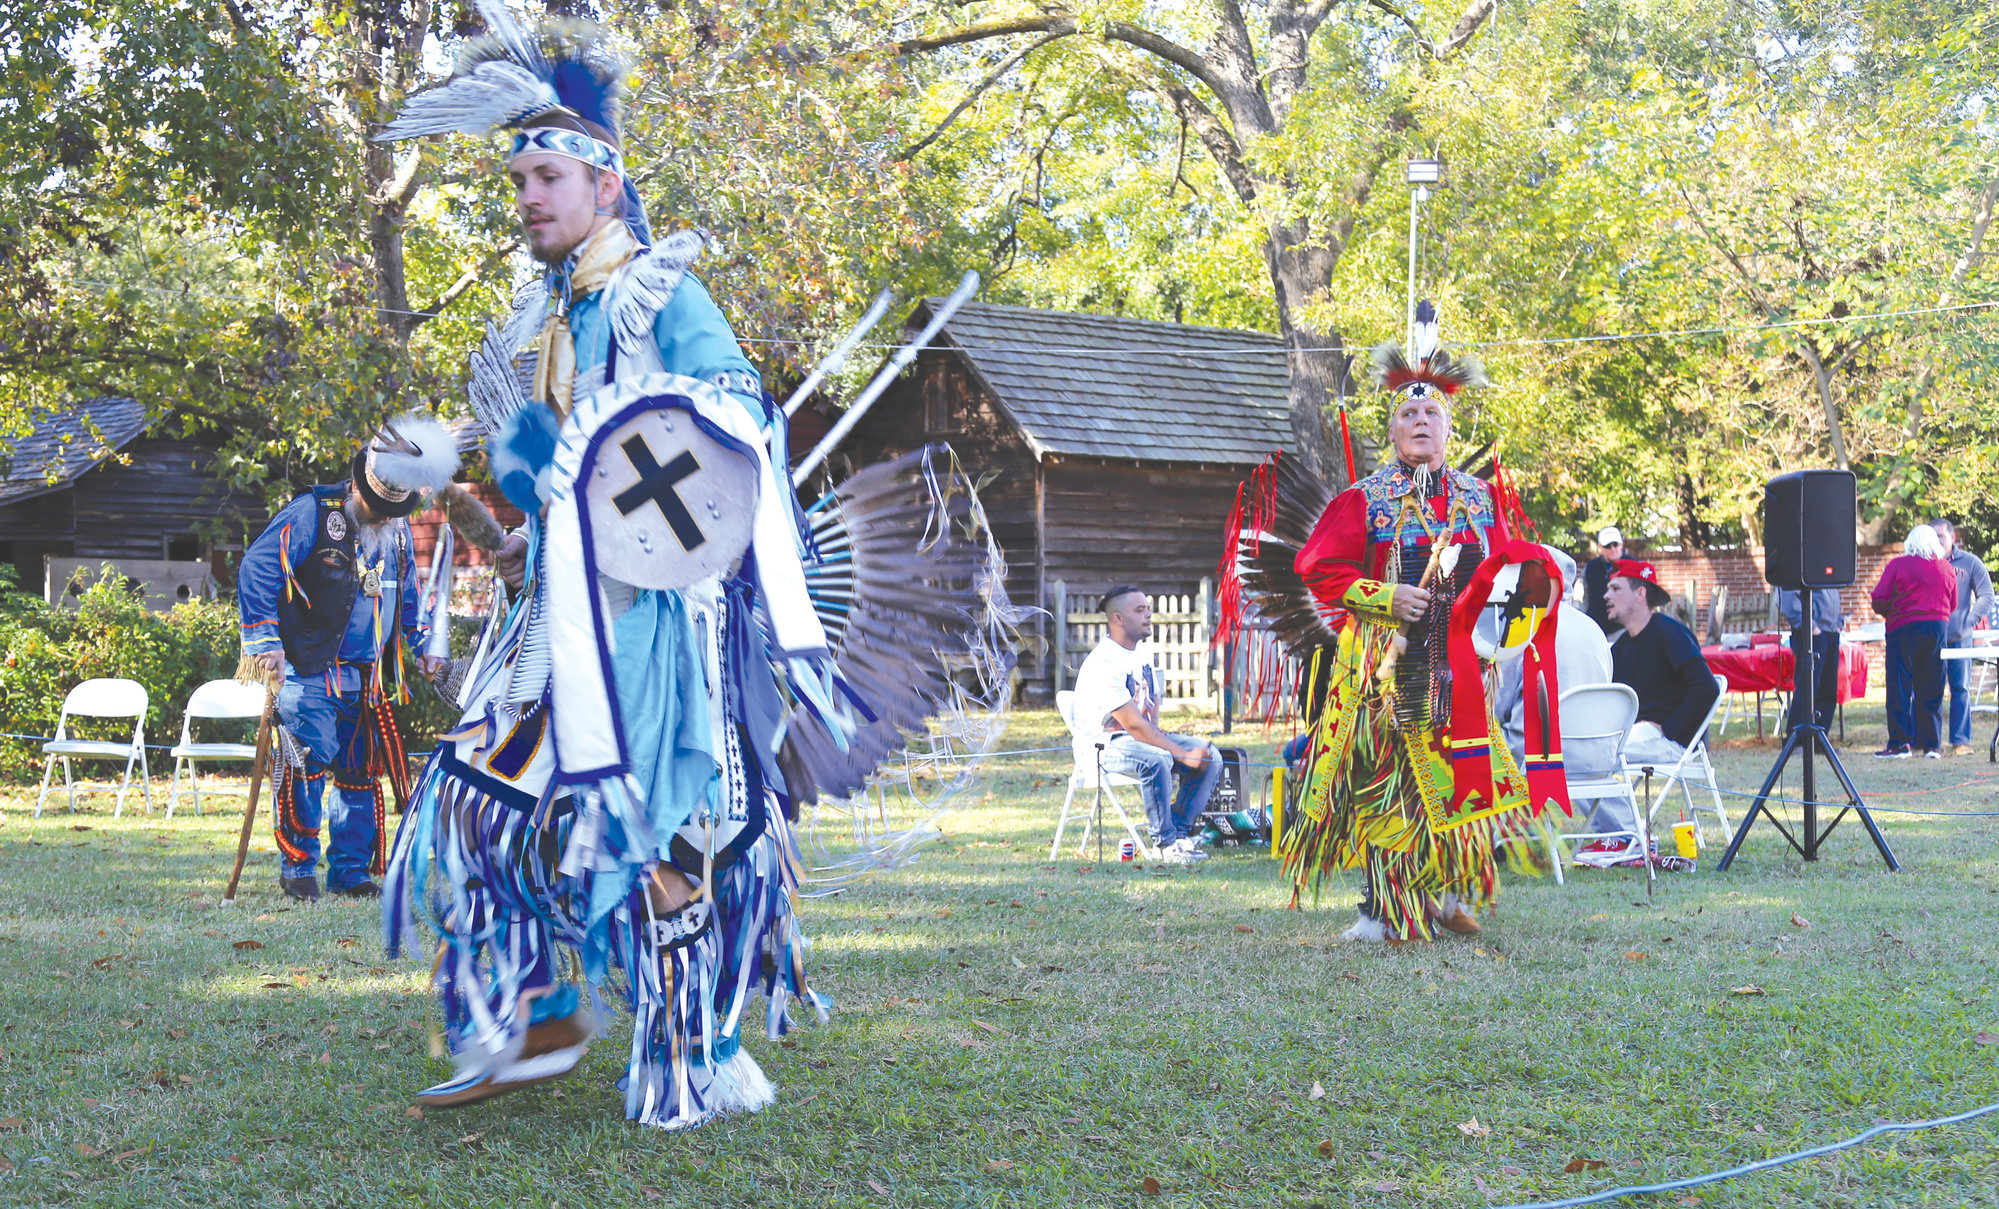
(1915, 596)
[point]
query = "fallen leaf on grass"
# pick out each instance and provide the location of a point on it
(1509, 1169)
(1014, 903)
(1479, 1184)
(176, 1034)
(1326, 1149)
(263, 919)
(247, 945)
(211, 933)
(122, 1155)
(1244, 928)
(64, 974)
(101, 962)
(87, 1150)
(1318, 1092)
(1149, 1186)
(5, 1166)
(1986, 1039)
(1575, 1165)
(1799, 921)
(413, 1112)
(1472, 1129)
(807, 1100)
(277, 986)
(879, 1190)
(1751, 989)
(997, 1032)
(1389, 1186)
(10, 1124)
(999, 1165)
(90, 1102)
(1634, 955)
(347, 942)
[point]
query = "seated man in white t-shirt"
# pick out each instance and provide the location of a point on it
(1117, 693)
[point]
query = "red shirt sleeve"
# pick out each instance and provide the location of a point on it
(1336, 553)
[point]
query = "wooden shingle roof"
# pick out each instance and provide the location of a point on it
(63, 444)
(1106, 387)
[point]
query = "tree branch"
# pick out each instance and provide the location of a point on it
(1059, 22)
(1415, 30)
(1052, 23)
(1461, 33)
(1215, 134)
(1974, 251)
(399, 189)
(466, 281)
(992, 77)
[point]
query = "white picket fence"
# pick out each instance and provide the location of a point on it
(1181, 628)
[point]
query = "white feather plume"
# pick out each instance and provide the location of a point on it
(481, 101)
(500, 24)
(429, 468)
(494, 389)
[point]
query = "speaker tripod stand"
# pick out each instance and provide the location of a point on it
(1806, 737)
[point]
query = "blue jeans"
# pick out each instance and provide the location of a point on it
(1170, 814)
(1957, 673)
(326, 725)
(1915, 685)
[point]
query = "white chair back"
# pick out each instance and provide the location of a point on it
(226, 699)
(1596, 720)
(107, 698)
(1082, 751)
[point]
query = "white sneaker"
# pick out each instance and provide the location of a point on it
(1174, 854)
(1366, 929)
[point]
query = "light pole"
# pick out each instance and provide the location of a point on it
(1422, 174)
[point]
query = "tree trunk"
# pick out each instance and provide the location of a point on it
(1317, 366)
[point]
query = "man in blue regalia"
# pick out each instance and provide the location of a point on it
(327, 595)
(612, 796)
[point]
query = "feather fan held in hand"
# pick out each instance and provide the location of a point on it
(1268, 611)
(911, 588)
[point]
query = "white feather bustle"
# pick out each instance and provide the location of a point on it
(429, 469)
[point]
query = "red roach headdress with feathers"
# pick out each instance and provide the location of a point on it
(1435, 371)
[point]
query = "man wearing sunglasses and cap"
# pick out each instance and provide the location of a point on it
(326, 593)
(1596, 576)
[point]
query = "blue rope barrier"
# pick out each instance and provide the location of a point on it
(1611, 1194)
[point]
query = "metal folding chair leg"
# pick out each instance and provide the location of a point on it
(48, 771)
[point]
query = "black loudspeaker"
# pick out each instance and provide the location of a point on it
(1809, 518)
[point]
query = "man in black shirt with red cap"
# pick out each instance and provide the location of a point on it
(1661, 660)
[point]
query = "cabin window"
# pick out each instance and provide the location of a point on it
(183, 549)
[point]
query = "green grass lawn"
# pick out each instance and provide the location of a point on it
(1011, 1031)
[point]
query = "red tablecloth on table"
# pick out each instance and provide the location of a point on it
(1764, 668)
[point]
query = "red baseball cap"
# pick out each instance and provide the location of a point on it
(1645, 573)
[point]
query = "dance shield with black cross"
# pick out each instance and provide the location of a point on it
(669, 504)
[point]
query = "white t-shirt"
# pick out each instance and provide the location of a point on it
(1110, 678)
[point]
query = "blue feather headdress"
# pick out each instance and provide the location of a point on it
(560, 89)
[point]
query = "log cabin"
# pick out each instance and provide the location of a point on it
(1111, 447)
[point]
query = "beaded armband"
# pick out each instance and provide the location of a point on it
(1370, 596)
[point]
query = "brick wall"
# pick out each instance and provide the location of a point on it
(1699, 572)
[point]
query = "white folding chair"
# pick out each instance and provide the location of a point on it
(215, 699)
(1083, 775)
(100, 698)
(1693, 769)
(1596, 720)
